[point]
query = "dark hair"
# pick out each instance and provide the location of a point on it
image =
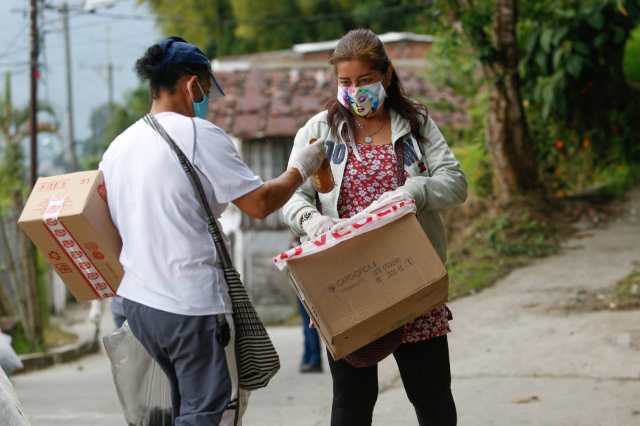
(165, 76)
(364, 44)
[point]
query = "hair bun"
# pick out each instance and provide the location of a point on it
(150, 62)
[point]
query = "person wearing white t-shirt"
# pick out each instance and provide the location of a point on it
(174, 294)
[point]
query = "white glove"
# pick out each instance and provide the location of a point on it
(393, 196)
(308, 159)
(318, 224)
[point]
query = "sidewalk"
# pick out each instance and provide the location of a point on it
(74, 321)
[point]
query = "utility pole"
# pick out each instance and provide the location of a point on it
(109, 69)
(110, 82)
(106, 71)
(27, 248)
(73, 158)
(33, 122)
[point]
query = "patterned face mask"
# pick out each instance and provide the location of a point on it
(362, 100)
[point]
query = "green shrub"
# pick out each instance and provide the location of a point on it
(631, 62)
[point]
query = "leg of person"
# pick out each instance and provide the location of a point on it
(118, 320)
(312, 357)
(117, 311)
(426, 376)
(143, 322)
(305, 324)
(315, 350)
(233, 414)
(203, 356)
(355, 391)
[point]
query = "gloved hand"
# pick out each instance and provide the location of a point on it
(318, 224)
(390, 196)
(309, 158)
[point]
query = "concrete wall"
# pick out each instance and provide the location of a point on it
(268, 287)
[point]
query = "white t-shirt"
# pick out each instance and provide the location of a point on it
(168, 257)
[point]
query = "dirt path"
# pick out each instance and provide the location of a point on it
(519, 360)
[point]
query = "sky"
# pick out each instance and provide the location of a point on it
(120, 34)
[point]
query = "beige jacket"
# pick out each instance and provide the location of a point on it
(435, 179)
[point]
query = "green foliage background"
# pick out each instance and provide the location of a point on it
(632, 58)
(226, 27)
(582, 121)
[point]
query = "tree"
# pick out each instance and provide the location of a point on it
(574, 80)
(243, 26)
(490, 27)
(206, 23)
(632, 59)
(19, 261)
(511, 152)
(108, 121)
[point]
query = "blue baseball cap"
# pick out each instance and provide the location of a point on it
(178, 51)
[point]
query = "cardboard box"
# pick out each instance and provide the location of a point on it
(365, 287)
(67, 218)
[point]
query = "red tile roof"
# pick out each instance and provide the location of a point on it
(265, 101)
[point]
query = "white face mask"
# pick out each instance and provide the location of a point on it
(362, 100)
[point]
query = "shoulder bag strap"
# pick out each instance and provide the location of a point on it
(212, 225)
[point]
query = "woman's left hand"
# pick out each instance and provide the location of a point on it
(398, 194)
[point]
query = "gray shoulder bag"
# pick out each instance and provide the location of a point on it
(257, 358)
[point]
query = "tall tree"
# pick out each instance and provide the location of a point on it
(108, 121)
(632, 58)
(207, 23)
(490, 27)
(512, 155)
(225, 27)
(14, 129)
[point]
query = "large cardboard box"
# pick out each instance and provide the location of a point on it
(68, 219)
(367, 286)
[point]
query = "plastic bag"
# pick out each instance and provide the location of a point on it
(11, 413)
(9, 360)
(143, 388)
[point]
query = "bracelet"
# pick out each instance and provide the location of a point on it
(306, 216)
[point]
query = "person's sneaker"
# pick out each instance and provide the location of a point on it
(311, 368)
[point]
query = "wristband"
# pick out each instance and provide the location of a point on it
(306, 216)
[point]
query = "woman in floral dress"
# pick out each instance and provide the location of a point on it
(381, 143)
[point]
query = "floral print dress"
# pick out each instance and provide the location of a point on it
(364, 182)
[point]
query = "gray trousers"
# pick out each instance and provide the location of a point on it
(198, 356)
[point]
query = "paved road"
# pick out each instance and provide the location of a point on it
(516, 360)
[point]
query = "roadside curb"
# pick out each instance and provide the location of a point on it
(67, 353)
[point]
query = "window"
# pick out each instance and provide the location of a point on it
(268, 158)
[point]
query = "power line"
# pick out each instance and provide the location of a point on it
(11, 44)
(14, 63)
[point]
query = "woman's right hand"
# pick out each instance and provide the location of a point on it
(308, 159)
(318, 224)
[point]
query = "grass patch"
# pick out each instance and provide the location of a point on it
(495, 243)
(21, 344)
(475, 163)
(626, 293)
(54, 337)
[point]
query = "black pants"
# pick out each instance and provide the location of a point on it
(426, 376)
